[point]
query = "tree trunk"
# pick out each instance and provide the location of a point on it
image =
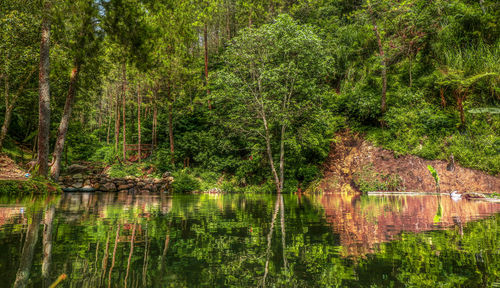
(171, 133)
(282, 157)
(47, 244)
(270, 153)
(228, 27)
(117, 121)
(205, 42)
(63, 126)
(44, 95)
(155, 115)
(139, 121)
(23, 273)
(124, 88)
(6, 123)
(383, 105)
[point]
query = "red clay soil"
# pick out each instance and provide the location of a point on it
(9, 170)
(350, 153)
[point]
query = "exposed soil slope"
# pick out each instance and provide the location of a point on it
(352, 156)
(9, 170)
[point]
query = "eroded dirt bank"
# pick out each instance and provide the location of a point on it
(355, 164)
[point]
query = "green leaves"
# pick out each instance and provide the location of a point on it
(434, 174)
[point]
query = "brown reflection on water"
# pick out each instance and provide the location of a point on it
(364, 221)
(97, 204)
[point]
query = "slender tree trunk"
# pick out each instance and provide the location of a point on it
(8, 106)
(282, 157)
(124, 89)
(108, 130)
(205, 42)
(228, 27)
(139, 121)
(155, 115)
(44, 94)
(383, 105)
(171, 132)
(6, 123)
(269, 152)
(47, 244)
(63, 126)
(23, 273)
(117, 122)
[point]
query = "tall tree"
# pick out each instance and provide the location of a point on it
(85, 45)
(274, 85)
(44, 93)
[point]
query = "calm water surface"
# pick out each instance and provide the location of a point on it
(236, 240)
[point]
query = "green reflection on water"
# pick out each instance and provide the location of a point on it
(120, 240)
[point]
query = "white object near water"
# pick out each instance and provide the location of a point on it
(455, 196)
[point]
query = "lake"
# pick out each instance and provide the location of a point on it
(249, 240)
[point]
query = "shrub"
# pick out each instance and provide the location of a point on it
(104, 154)
(184, 182)
(163, 160)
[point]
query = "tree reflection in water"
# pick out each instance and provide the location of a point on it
(121, 240)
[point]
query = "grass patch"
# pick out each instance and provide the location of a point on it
(368, 180)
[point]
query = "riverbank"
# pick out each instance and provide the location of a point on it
(355, 164)
(13, 181)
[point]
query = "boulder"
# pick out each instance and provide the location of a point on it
(124, 187)
(78, 184)
(75, 168)
(77, 176)
(87, 189)
(166, 174)
(110, 186)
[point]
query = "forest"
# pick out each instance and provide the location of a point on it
(246, 93)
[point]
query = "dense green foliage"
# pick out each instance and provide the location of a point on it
(202, 76)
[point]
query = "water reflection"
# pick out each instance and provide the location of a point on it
(364, 221)
(125, 240)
